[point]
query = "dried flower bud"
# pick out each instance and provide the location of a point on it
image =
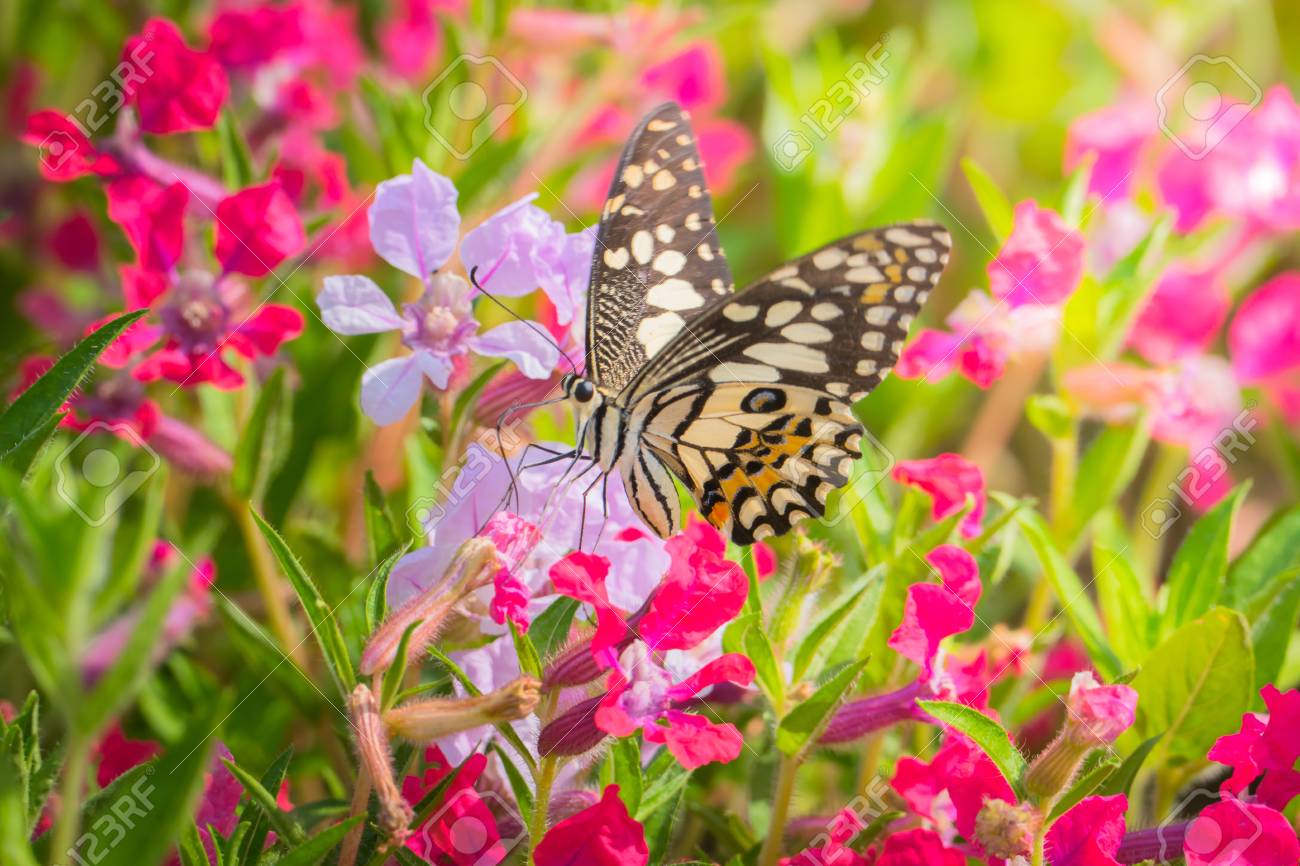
(425, 721)
(1007, 829)
(473, 566)
(572, 732)
(395, 814)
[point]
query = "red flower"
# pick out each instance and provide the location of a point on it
(918, 847)
(245, 38)
(75, 243)
(181, 89)
(962, 769)
(152, 217)
(1240, 833)
(949, 479)
(257, 229)
(66, 152)
(600, 835)
(117, 754)
(932, 613)
(1265, 745)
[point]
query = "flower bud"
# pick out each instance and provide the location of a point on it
(188, 449)
(867, 715)
(473, 566)
(1096, 715)
(572, 732)
(395, 814)
(1007, 829)
(425, 721)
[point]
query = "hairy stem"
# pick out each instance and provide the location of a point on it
(70, 790)
(780, 811)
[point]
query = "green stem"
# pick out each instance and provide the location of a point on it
(1040, 838)
(780, 811)
(1148, 539)
(267, 579)
(70, 790)
(544, 778)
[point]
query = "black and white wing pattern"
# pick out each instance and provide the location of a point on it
(657, 261)
(750, 407)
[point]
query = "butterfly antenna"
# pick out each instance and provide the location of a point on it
(538, 329)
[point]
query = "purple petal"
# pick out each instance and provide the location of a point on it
(502, 247)
(355, 305)
(414, 222)
(522, 342)
(564, 269)
(436, 367)
(389, 389)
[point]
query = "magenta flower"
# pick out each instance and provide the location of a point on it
(932, 613)
(244, 38)
(438, 840)
(1182, 317)
(183, 90)
(600, 835)
(68, 153)
(1246, 834)
(257, 229)
(962, 770)
(414, 226)
(1115, 136)
(948, 479)
(1264, 342)
(1264, 746)
(1041, 262)
(1089, 834)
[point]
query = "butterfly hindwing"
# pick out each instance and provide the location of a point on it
(750, 406)
(657, 260)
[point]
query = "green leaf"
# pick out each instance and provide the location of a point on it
(530, 662)
(1071, 593)
(28, 417)
(992, 200)
(262, 446)
(1051, 415)
(550, 630)
(377, 594)
(1122, 599)
(396, 673)
(1197, 573)
(381, 531)
(626, 756)
(1271, 633)
(236, 164)
(314, 849)
(985, 733)
(1275, 550)
(1105, 471)
(518, 784)
(1121, 781)
(282, 822)
(665, 780)
(258, 818)
(190, 847)
(1085, 785)
(21, 459)
(1195, 685)
(800, 727)
(325, 627)
(15, 829)
(810, 655)
(767, 671)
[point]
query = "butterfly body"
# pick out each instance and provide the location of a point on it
(743, 396)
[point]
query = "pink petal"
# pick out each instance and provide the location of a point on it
(1099, 714)
(1182, 317)
(931, 354)
(356, 305)
(1115, 134)
(1264, 337)
(257, 229)
(1278, 788)
(725, 146)
(1089, 834)
(390, 388)
(918, 847)
(152, 217)
(582, 576)
(265, 330)
(930, 614)
(982, 361)
(692, 77)
(1041, 262)
(505, 250)
(525, 343)
(697, 595)
(414, 223)
(728, 668)
(183, 90)
(1237, 833)
(600, 835)
(1279, 748)
(958, 571)
(117, 754)
(948, 479)
(66, 153)
(141, 287)
(695, 741)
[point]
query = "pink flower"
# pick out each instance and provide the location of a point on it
(948, 479)
(1264, 342)
(1089, 834)
(66, 152)
(152, 217)
(75, 243)
(514, 538)
(184, 89)
(1098, 714)
(1265, 745)
(693, 77)
(412, 38)
(117, 753)
(1245, 834)
(257, 229)
(1115, 134)
(932, 613)
(248, 37)
(464, 831)
(962, 770)
(1182, 317)
(833, 849)
(600, 835)
(1042, 260)
(918, 847)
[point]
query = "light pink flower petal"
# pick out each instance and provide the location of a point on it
(1182, 317)
(1241, 834)
(1097, 713)
(600, 835)
(1089, 834)
(1115, 134)
(1264, 337)
(436, 368)
(414, 222)
(695, 741)
(504, 250)
(390, 388)
(931, 354)
(354, 304)
(1041, 262)
(525, 343)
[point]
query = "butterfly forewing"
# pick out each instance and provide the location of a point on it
(657, 260)
(749, 406)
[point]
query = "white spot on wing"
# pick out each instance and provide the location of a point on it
(781, 312)
(616, 259)
(789, 356)
(674, 294)
(825, 311)
(655, 332)
(806, 332)
(730, 372)
(832, 257)
(643, 246)
(740, 312)
(669, 262)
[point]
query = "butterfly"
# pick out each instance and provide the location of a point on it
(744, 396)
